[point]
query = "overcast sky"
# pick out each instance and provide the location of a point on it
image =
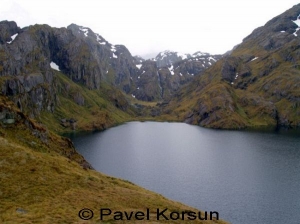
(147, 27)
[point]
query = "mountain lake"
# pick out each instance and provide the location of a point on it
(246, 176)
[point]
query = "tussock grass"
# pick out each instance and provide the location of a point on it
(39, 187)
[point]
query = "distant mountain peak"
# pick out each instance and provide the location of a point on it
(167, 58)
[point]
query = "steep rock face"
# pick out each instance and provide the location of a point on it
(32, 53)
(147, 82)
(168, 72)
(25, 70)
(7, 30)
(29, 58)
(111, 63)
(256, 84)
(167, 58)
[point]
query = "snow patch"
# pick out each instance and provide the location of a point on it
(143, 72)
(199, 53)
(181, 55)
(99, 40)
(113, 48)
(13, 37)
(139, 66)
(84, 30)
(139, 77)
(297, 21)
(254, 58)
(282, 31)
(133, 95)
(54, 66)
(180, 74)
(171, 69)
(295, 33)
(138, 88)
(115, 56)
(211, 58)
(236, 75)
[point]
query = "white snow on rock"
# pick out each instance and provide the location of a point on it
(180, 74)
(254, 58)
(211, 58)
(115, 56)
(282, 31)
(297, 21)
(13, 37)
(138, 88)
(54, 66)
(199, 53)
(99, 40)
(133, 95)
(143, 72)
(295, 33)
(171, 70)
(84, 30)
(113, 48)
(236, 75)
(139, 77)
(181, 55)
(164, 54)
(139, 66)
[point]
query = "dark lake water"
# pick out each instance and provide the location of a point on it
(246, 176)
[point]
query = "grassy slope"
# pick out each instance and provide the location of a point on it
(98, 112)
(44, 180)
(270, 92)
(45, 187)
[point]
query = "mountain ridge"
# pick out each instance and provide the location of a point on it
(254, 85)
(58, 80)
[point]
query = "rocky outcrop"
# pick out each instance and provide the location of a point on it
(162, 77)
(26, 70)
(256, 84)
(7, 30)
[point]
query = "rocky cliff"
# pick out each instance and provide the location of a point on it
(257, 84)
(161, 77)
(29, 58)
